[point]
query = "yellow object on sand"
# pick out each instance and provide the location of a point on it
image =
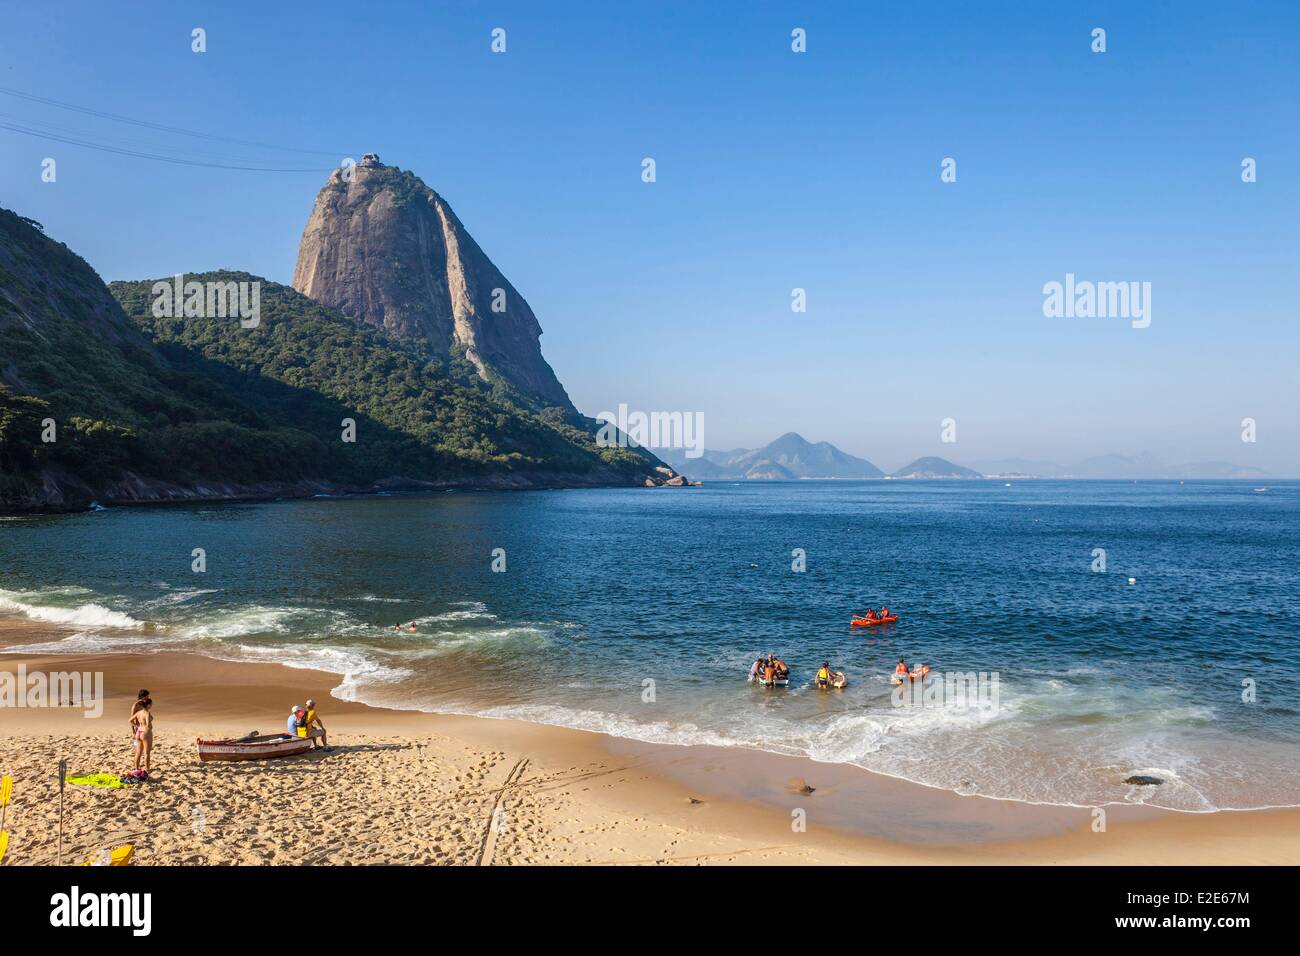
(120, 856)
(6, 790)
(4, 844)
(112, 781)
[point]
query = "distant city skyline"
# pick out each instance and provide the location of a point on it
(775, 171)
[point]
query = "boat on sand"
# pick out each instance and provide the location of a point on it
(253, 747)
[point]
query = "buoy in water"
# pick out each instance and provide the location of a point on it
(1132, 580)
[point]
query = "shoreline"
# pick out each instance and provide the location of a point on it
(168, 494)
(585, 797)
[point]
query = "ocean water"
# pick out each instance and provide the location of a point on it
(606, 590)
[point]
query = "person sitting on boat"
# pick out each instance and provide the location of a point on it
(884, 613)
(782, 671)
(295, 724)
(315, 727)
(824, 675)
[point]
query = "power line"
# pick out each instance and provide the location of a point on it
(198, 151)
(42, 134)
(158, 126)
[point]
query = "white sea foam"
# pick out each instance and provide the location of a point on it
(680, 733)
(84, 615)
(251, 619)
(94, 643)
(467, 615)
(180, 597)
(354, 667)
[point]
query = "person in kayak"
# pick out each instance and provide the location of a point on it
(884, 613)
(824, 675)
(871, 614)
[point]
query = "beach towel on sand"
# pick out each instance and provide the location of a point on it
(109, 780)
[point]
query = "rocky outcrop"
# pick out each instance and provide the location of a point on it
(384, 248)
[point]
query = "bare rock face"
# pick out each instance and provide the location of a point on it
(386, 249)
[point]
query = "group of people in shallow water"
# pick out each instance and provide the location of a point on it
(769, 669)
(410, 627)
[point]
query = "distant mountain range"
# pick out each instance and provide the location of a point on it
(788, 458)
(792, 457)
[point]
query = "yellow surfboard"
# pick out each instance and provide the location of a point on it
(120, 856)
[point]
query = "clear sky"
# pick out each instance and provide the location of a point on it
(775, 170)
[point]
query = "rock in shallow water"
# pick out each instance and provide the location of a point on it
(1144, 781)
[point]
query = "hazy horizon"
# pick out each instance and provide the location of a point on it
(775, 171)
(889, 465)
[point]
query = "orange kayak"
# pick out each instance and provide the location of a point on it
(873, 621)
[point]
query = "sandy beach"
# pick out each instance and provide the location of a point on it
(415, 788)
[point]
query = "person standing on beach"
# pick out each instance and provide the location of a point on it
(140, 697)
(312, 722)
(142, 723)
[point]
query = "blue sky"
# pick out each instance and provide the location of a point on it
(775, 170)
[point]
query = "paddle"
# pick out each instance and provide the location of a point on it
(63, 775)
(6, 791)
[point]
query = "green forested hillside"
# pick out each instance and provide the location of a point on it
(191, 400)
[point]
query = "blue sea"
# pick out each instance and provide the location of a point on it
(638, 612)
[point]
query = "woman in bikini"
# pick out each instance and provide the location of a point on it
(142, 724)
